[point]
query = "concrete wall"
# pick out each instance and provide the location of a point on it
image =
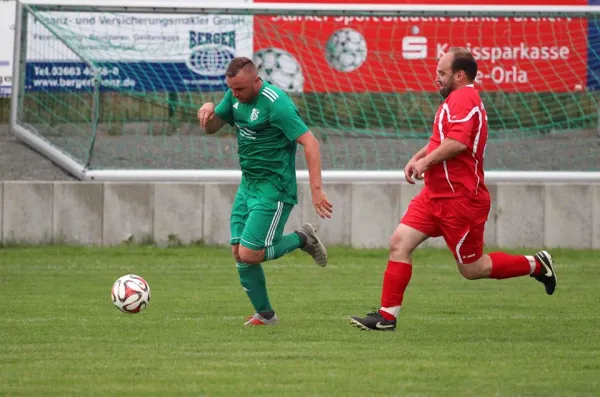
(551, 215)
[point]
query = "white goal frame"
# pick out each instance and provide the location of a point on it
(80, 171)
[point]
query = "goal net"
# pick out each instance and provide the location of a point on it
(109, 88)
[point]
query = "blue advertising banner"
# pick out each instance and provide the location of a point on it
(145, 52)
(593, 55)
(112, 76)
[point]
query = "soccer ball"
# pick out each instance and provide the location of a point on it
(131, 293)
(280, 68)
(346, 50)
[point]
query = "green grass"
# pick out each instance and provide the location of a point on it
(60, 334)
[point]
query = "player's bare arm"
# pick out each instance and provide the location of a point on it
(448, 149)
(313, 161)
(208, 119)
(408, 170)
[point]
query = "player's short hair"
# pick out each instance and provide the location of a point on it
(465, 61)
(238, 64)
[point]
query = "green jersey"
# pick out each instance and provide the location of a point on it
(267, 130)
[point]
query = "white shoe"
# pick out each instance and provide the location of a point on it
(257, 319)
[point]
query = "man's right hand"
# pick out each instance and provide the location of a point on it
(206, 113)
(408, 171)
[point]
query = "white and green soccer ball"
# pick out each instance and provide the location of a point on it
(346, 50)
(280, 68)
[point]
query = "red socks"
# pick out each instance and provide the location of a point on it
(395, 280)
(397, 276)
(506, 266)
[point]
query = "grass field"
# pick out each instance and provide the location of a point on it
(60, 334)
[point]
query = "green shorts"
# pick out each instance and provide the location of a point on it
(256, 222)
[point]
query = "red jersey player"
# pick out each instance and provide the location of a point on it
(454, 202)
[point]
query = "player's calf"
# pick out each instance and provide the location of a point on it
(539, 266)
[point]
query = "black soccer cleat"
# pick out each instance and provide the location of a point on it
(373, 321)
(547, 275)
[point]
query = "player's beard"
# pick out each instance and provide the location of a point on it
(447, 89)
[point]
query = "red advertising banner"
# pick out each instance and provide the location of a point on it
(389, 54)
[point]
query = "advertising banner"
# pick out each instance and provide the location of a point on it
(389, 54)
(139, 52)
(593, 55)
(173, 52)
(7, 31)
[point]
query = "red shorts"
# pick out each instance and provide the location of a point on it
(460, 221)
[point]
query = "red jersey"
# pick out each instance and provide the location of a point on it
(460, 117)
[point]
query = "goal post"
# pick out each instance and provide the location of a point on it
(109, 91)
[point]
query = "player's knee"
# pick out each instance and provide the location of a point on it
(468, 272)
(403, 242)
(398, 246)
(474, 270)
(250, 257)
(395, 241)
(235, 248)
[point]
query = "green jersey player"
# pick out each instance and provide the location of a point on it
(269, 128)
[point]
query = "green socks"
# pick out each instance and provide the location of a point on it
(288, 243)
(252, 277)
(253, 280)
